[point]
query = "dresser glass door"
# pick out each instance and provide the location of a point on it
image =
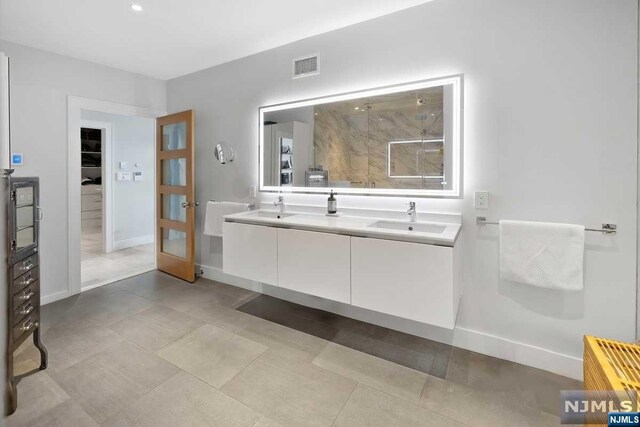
(24, 217)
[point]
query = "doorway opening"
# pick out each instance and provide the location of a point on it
(117, 197)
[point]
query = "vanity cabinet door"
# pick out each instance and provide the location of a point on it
(409, 280)
(315, 264)
(250, 251)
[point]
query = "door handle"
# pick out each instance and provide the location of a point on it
(190, 204)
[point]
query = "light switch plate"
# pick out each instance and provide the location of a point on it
(123, 165)
(482, 200)
(252, 191)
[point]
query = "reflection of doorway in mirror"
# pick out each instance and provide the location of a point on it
(286, 162)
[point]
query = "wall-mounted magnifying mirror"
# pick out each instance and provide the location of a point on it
(223, 153)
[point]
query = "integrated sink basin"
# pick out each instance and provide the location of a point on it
(272, 214)
(419, 227)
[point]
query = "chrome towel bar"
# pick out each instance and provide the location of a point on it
(606, 228)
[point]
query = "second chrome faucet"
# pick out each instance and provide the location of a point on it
(280, 203)
(412, 212)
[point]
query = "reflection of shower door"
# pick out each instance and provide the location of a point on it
(175, 191)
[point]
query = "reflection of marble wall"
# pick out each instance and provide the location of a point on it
(351, 139)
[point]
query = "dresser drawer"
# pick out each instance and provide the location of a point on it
(25, 309)
(27, 294)
(91, 189)
(27, 325)
(91, 214)
(25, 265)
(91, 224)
(25, 280)
(91, 203)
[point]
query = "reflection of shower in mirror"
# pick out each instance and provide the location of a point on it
(224, 153)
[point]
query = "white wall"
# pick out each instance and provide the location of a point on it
(40, 84)
(550, 131)
(133, 201)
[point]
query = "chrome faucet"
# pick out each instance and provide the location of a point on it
(280, 203)
(412, 211)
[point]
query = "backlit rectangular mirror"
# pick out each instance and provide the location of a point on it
(398, 140)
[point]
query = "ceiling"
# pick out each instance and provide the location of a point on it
(170, 38)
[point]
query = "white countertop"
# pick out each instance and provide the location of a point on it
(352, 225)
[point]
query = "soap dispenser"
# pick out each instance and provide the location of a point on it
(332, 204)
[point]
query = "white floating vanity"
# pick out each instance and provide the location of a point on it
(401, 268)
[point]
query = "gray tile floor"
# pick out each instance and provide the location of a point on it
(154, 351)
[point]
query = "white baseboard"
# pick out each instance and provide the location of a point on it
(468, 339)
(48, 299)
(525, 354)
(130, 243)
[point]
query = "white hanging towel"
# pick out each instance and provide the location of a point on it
(214, 216)
(542, 254)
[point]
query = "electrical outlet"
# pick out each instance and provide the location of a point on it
(482, 200)
(252, 191)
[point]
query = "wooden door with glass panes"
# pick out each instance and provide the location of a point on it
(175, 190)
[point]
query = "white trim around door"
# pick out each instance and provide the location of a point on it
(75, 105)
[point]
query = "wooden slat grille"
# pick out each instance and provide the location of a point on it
(610, 365)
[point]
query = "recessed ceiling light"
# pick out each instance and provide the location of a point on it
(136, 7)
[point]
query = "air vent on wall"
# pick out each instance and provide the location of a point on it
(306, 66)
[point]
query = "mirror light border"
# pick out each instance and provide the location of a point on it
(456, 81)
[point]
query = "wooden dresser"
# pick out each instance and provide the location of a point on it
(23, 217)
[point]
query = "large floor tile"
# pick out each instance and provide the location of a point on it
(116, 306)
(478, 408)
(156, 327)
(286, 341)
(181, 296)
(148, 284)
(292, 393)
(185, 401)
(227, 295)
(535, 387)
(373, 408)
(37, 394)
(212, 354)
(439, 352)
(71, 341)
(223, 317)
(109, 381)
(378, 373)
(288, 314)
(67, 414)
(266, 422)
(414, 352)
(420, 361)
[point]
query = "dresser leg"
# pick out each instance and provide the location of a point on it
(12, 390)
(43, 350)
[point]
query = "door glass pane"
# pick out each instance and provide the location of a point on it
(25, 232)
(24, 217)
(172, 207)
(24, 196)
(174, 136)
(174, 242)
(174, 172)
(25, 237)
